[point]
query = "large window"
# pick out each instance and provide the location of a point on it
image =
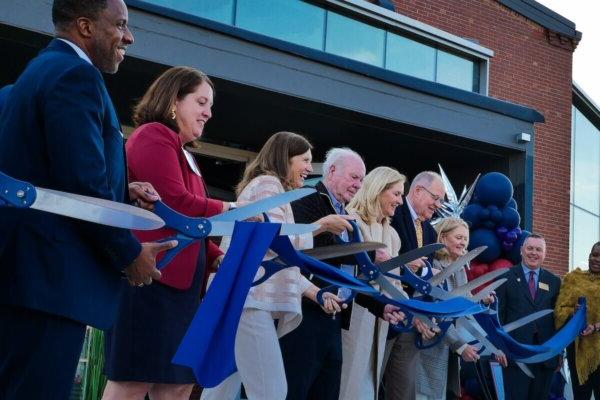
(585, 188)
(292, 21)
(306, 24)
(349, 38)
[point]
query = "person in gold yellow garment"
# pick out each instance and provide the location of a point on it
(584, 353)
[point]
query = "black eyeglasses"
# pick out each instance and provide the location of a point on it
(435, 197)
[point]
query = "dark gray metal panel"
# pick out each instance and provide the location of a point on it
(543, 16)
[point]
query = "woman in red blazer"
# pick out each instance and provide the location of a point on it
(153, 319)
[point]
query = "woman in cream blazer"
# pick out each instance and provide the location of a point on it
(363, 345)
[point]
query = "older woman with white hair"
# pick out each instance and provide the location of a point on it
(363, 344)
(439, 366)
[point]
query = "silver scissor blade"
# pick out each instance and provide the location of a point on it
(486, 291)
(391, 290)
(472, 327)
(440, 294)
(459, 263)
(220, 228)
(511, 326)
(96, 210)
(480, 280)
(525, 370)
(261, 206)
(338, 250)
(409, 256)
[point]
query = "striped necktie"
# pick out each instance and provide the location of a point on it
(531, 284)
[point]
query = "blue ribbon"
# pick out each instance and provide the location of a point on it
(208, 345)
(529, 354)
(283, 247)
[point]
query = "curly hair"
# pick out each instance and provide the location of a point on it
(65, 12)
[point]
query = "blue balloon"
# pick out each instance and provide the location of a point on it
(489, 224)
(512, 203)
(514, 254)
(495, 213)
(511, 236)
(483, 214)
(494, 188)
(510, 218)
(485, 237)
(470, 214)
(500, 232)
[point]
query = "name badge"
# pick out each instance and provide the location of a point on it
(544, 286)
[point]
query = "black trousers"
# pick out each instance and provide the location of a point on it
(39, 353)
(592, 384)
(518, 386)
(312, 356)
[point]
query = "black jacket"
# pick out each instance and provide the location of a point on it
(312, 208)
(404, 224)
(514, 302)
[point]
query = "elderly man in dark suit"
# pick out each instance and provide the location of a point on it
(529, 288)
(312, 353)
(58, 275)
(411, 221)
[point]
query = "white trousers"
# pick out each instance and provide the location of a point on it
(258, 359)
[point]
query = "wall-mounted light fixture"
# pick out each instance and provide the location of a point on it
(523, 137)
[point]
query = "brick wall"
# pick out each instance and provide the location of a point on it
(531, 67)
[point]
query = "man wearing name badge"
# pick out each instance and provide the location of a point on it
(529, 288)
(312, 353)
(411, 221)
(59, 130)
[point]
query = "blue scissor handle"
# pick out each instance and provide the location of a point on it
(444, 325)
(404, 326)
(16, 193)
(429, 271)
(271, 268)
(182, 242)
(410, 278)
(197, 228)
(333, 289)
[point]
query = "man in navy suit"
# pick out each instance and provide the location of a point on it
(60, 130)
(411, 221)
(529, 288)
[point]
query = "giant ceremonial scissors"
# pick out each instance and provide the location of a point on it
(20, 194)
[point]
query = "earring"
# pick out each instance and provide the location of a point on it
(173, 115)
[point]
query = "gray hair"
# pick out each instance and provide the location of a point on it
(424, 179)
(335, 155)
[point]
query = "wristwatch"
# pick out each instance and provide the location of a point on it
(232, 206)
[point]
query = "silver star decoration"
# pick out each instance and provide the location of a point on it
(454, 205)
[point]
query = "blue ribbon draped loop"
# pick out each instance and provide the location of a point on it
(208, 345)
